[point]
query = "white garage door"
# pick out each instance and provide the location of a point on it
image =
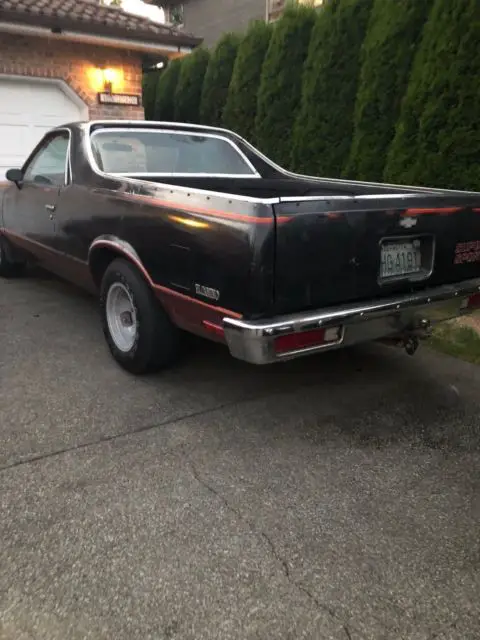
(28, 109)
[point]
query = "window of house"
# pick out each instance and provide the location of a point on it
(175, 14)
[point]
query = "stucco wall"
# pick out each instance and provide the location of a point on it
(210, 19)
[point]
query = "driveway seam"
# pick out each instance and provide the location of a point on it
(124, 434)
(143, 429)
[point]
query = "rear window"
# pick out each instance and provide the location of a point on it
(163, 152)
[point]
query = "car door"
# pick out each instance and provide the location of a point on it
(29, 208)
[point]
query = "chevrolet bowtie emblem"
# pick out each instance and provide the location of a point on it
(408, 223)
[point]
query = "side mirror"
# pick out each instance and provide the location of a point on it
(15, 175)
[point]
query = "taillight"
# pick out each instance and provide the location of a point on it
(306, 339)
(472, 303)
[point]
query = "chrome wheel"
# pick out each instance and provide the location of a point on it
(121, 317)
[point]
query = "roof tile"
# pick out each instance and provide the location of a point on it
(94, 13)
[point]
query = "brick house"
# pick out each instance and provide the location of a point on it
(57, 56)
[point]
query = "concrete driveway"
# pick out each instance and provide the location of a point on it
(334, 497)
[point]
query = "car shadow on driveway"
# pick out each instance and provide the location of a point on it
(422, 397)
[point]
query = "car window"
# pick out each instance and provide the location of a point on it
(48, 166)
(164, 152)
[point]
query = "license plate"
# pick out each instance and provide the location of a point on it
(400, 259)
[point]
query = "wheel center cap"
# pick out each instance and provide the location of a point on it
(126, 319)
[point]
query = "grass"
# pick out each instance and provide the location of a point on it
(457, 340)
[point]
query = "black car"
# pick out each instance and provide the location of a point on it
(183, 227)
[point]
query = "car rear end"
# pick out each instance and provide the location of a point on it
(351, 270)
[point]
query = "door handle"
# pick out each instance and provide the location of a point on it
(50, 207)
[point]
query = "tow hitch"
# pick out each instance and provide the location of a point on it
(410, 340)
(411, 345)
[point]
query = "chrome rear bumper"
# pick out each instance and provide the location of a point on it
(254, 341)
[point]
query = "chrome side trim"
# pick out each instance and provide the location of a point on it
(403, 189)
(342, 181)
(254, 341)
(148, 174)
(380, 196)
(165, 185)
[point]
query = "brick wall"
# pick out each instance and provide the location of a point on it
(78, 65)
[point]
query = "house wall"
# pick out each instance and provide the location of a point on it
(210, 19)
(79, 66)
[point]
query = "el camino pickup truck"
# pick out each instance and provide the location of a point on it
(180, 228)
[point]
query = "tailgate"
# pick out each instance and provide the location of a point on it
(332, 251)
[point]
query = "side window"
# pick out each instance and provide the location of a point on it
(49, 164)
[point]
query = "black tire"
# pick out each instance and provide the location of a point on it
(157, 343)
(9, 268)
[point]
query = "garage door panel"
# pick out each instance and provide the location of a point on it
(28, 110)
(14, 137)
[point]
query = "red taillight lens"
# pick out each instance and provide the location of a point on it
(473, 302)
(306, 339)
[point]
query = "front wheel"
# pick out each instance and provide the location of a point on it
(140, 335)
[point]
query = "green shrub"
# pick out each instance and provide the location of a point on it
(437, 140)
(149, 88)
(387, 55)
(281, 82)
(217, 80)
(241, 107)
(166, 86)
(324, 125)
(189, 86)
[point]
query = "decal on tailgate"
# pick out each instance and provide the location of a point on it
(467, 252)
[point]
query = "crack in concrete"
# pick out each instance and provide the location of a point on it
(124, 434)
(142, 429)
(266, 538)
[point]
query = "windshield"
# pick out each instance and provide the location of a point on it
(165, 152)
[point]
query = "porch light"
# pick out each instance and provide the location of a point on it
(108, 76)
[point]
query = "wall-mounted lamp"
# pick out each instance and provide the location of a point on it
(108, 76)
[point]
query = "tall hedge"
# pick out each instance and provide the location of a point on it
(388, 50)
(217, 80)
(437, 141)
(189, 87)
(149, 88)
(166, 86)
(281, 82)
(324, 125)
(241, 107)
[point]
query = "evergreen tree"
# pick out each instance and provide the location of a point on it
(189, 86)
(387, 55)
(324, 124)
(241, 107)
(437, 141)
(149, 87)
(166, 87)
(281, 82)
(217, 80)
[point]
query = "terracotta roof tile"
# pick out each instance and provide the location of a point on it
(90, 15)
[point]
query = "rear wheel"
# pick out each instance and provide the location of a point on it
(8, 267)
(140, 335)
